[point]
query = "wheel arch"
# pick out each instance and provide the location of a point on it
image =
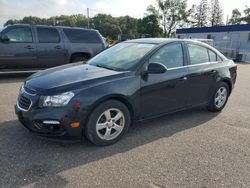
(121, 98)
(229, 83)
(76, 54)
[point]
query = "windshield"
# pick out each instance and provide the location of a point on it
(122, 56)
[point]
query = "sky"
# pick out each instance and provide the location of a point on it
(17, 9)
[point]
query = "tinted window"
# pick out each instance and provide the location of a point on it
(22, 34)
(198, 54)
(212, 56)
(170, 55)
(48, 35)
(82, 36)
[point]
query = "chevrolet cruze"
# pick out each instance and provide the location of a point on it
(129, 82)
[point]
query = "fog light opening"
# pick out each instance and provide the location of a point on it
(51, 122)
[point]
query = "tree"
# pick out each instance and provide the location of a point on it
(73, 20)
(107, 25)
(170, 13)
(236, 17)
(149, 26)
(128, 26)
(201, 14)
(246, 18)
(216, 13)
(191, 17)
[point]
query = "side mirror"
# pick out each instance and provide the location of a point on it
(156, 68)
(4, 38)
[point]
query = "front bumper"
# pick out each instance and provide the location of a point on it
(34, 119)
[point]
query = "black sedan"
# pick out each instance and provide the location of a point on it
(132, 81)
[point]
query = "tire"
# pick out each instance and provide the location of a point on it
(78, 58)
(219, 98)
(108, 123)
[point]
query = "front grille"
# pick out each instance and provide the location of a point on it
(24, 103)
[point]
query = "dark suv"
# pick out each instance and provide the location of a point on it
(37, 46)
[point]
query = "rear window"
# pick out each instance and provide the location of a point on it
(82, 36)
(48, 35)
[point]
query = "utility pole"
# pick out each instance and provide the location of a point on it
(227, 20)
(88, 16)
(54, 21)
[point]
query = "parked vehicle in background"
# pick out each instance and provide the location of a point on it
(207, 41)
(39, 46)
(131, 81)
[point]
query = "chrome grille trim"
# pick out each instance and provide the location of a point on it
(29, 91)
(22, 108)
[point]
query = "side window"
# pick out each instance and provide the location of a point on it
(82, 36)
(48, 35)
(22, 34)
(212, 56)
(171, 55)
(198, 54)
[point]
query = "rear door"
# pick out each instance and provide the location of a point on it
(50, 47)
(20, 50)
(202, 73)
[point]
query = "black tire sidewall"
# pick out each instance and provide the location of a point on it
(90, 130)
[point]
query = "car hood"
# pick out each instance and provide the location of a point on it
(70, 77)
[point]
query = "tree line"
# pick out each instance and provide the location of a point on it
(159, 21)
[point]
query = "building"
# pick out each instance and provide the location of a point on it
(232, 40)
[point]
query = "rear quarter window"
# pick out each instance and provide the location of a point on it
(82, 36)
(212, 56)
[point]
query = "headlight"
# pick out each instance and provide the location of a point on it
(21, 90)
(57, 100)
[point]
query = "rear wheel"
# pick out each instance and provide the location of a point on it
(219, 98)
(108, 123)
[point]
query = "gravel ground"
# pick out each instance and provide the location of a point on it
(193, 148)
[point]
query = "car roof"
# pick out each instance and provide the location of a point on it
(48, 26)
(159, 41)
(163, 40)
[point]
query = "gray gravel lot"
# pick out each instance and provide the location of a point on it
(193, 148)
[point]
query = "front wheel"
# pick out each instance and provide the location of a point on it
(108, 123)
(219, 98)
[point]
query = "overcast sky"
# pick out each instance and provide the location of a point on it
(17, 9)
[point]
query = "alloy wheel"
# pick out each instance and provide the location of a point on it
(110, 124)
(220, 97)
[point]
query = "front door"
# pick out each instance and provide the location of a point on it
(166, 92)
(20, 51)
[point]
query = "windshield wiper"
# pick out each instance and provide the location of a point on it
(107, 67)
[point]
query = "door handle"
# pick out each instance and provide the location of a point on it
(58, 47)
(29, 47)
(183, 78)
